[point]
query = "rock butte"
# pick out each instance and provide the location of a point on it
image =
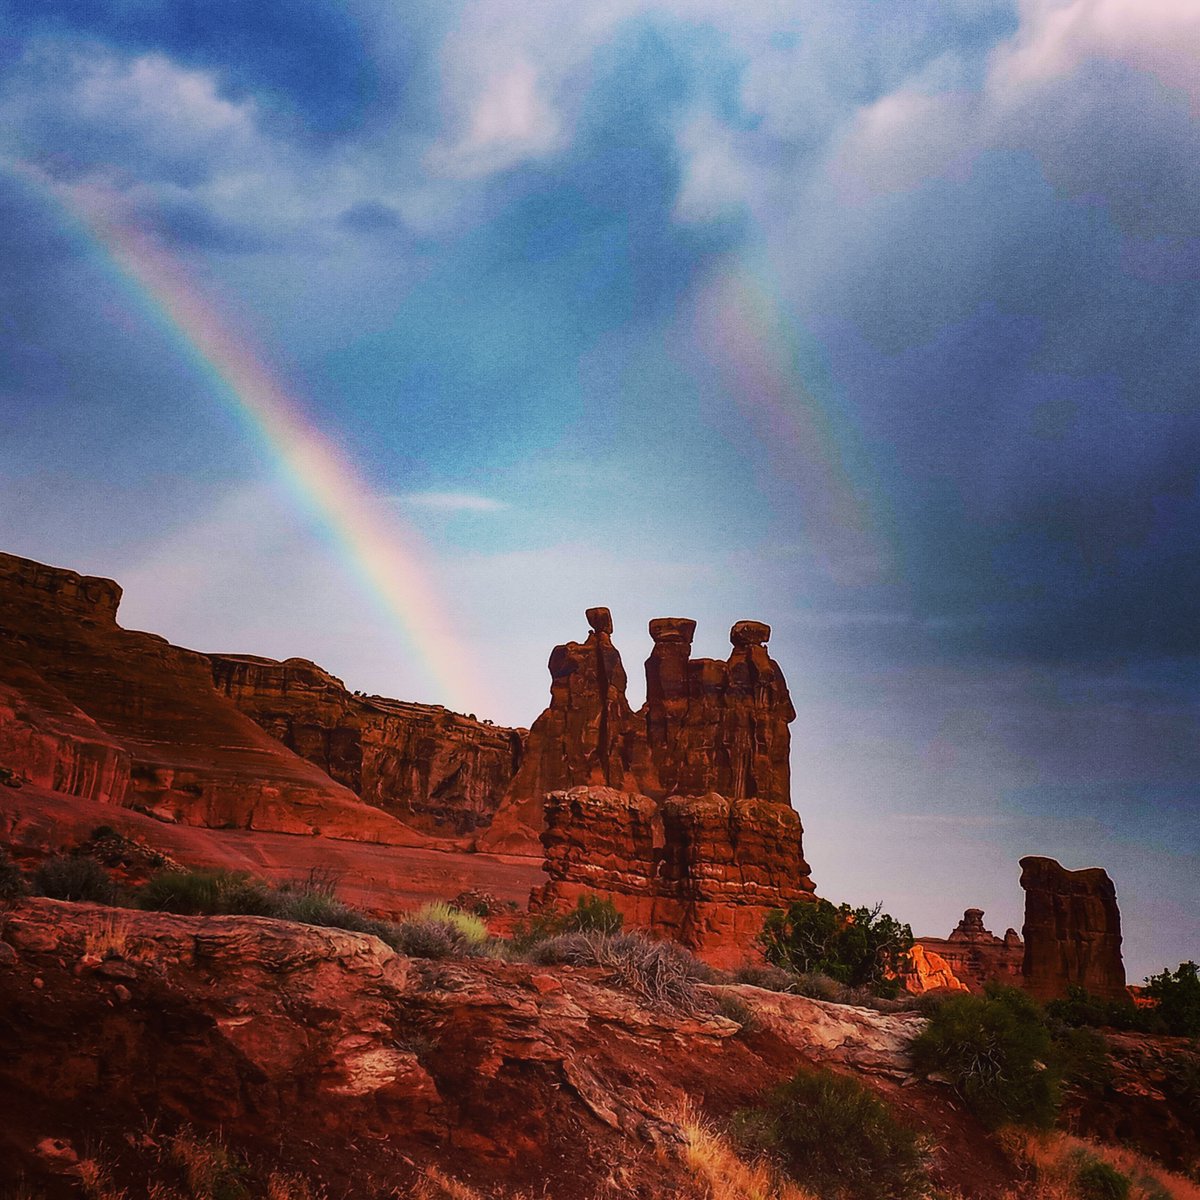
(679, 813)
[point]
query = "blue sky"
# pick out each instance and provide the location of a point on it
(876, 321)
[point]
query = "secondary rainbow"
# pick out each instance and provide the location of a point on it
(383, 554)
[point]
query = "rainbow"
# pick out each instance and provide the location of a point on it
(382, 553)
(789, 407)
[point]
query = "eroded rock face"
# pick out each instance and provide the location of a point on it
(708, 726)
(437, 771)
(1072, 931)
(583, 737)
(930, 972)
(976, 956)
(90, 709)
(311, 1045)
(704, 870)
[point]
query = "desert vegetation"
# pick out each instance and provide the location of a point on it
(859, 948)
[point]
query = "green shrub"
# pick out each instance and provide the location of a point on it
(208, 893)
(997, 1052)
(1083, 1056)
(1080, 1008)
(471, 929)
(858, 947)
(593, 914)
(68, 877)
(1096, 1180)
(832, 1134)
(1177, 998)
(659, 972)
(12, 882)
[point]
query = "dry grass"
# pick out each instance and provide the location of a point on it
(108, 935)
(719, 1172)
(437, 1185)
(1055, 1159)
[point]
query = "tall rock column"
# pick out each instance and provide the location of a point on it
(1072, 931)
(582, 739)
(668, 695)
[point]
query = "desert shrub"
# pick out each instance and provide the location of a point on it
(1097, 1180)
(471, 930)
(997, 1053)
(425, 939)
(70, 877)
(767, 976)
(733, 1008)
(1080, 1008)
(660, 972)
(859, 947)
(12, 882)
(593, 914)
(1176, 995)
(1083, 1057)
(834, 1135)
(210, 1169)
(208, 893)
(1182, 1083)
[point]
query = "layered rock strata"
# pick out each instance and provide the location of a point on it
(704, 870)
(108, 714)
(1072, 931)
(976, 956)
(436, 770)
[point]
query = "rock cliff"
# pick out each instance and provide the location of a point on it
(437, 771)
(1072, 931)
(704, 870)
(108, 714)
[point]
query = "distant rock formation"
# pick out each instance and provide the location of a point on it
(704, 870)
(1072, 931)
(708, 726)
(437, 771)
(93, 710)
(929, 972)
(976, 956)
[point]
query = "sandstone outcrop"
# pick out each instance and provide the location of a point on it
(704, 870)
(435, 770)
(336, 1057)
(976, 956)
(708, 726)
(108, 714)
(928, 971)
(1072, 931)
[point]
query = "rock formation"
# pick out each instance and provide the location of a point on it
(325, 1052)
(704, 870)
(1072, 931)
(976, 956)
(930, 972)
(707, 726)
(93, 710)
(436, 770)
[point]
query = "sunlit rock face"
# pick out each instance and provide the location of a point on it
(438, 771)
(111, 715)
(976, 956)
(1072, 931)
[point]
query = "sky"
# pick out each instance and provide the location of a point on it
(393, 336)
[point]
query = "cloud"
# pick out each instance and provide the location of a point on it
(452, 502)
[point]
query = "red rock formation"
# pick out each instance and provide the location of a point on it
(126, 718)
(435, 770)
(707, 726)
(704, 870)
(1072, 931)
(976, 956)
(582, 738)
(930, 972)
